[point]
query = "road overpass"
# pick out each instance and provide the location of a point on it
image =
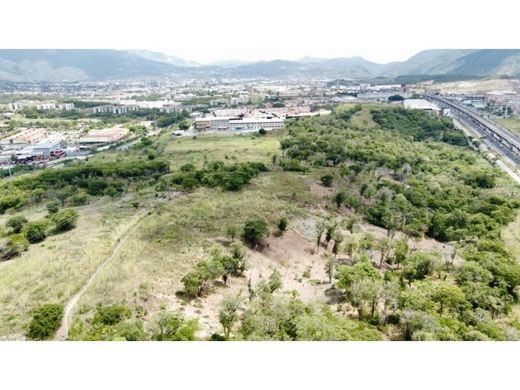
(502, 138)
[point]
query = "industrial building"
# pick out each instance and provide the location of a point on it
(237, 124)
(104, 136)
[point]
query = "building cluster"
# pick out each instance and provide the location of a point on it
(39, 145)
(39, 105)
(113, 109)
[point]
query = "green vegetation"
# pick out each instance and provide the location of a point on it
(255, 230)
(95, 178)
(45, 322)
(217, 174)
(117, 322)
(221, 264)
(434, 266)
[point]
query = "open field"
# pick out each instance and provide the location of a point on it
(512, 124)
(475, 86)
(55, 269)
(232, 148)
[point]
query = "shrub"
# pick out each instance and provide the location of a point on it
(16, 244)
(36, 231)
(282, 224)
(112, 314)
(79, 199)
(327, 180)
(45, 321)
(16, 223)
(64, 220)
(53, 206)
(255, 230)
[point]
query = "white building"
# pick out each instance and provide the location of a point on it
(171, 108)
(249, 124)
(46, 106)
(235, 124)
(66, 106)
(116, 110)
(212, 123)
(421, 104)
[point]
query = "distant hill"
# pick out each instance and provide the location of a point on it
(161, 57)
(486, 62)
(77, 65)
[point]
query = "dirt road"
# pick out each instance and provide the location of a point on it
(63, 331)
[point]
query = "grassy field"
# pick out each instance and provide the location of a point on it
(148, 268)
(512, 124)
(55, 269)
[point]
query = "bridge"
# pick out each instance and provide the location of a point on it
(501, 137)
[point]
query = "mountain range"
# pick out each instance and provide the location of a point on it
(59, 65)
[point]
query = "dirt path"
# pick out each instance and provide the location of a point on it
(63, 331)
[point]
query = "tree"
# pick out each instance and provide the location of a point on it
(228, 313)
(338, 239)
(184, 125)
(232, 232)
(449, 296)
(255, 230)
(282, 224)
(329, 233)
(16, 223)
(326, 180)
(367, 243)
(384, 247)
(395, 98)
(192, 283)
(366, 291)
(418, 325)
(275, 281)
(171, 326)
(348, 274)
(45, 321)
(330, 267)
(320, 228)
(339, 198)
(351, 246)
(401, 250)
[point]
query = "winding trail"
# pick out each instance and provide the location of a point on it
(63, 331)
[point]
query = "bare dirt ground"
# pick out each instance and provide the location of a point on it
(290, 254)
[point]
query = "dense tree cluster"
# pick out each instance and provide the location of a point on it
(94, 178)
(216, 174)
(409, 175)
(409, 181)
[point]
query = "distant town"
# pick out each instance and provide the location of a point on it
(225, 106)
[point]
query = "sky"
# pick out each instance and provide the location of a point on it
(207, 31)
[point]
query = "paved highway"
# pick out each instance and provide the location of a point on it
(504, 140)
